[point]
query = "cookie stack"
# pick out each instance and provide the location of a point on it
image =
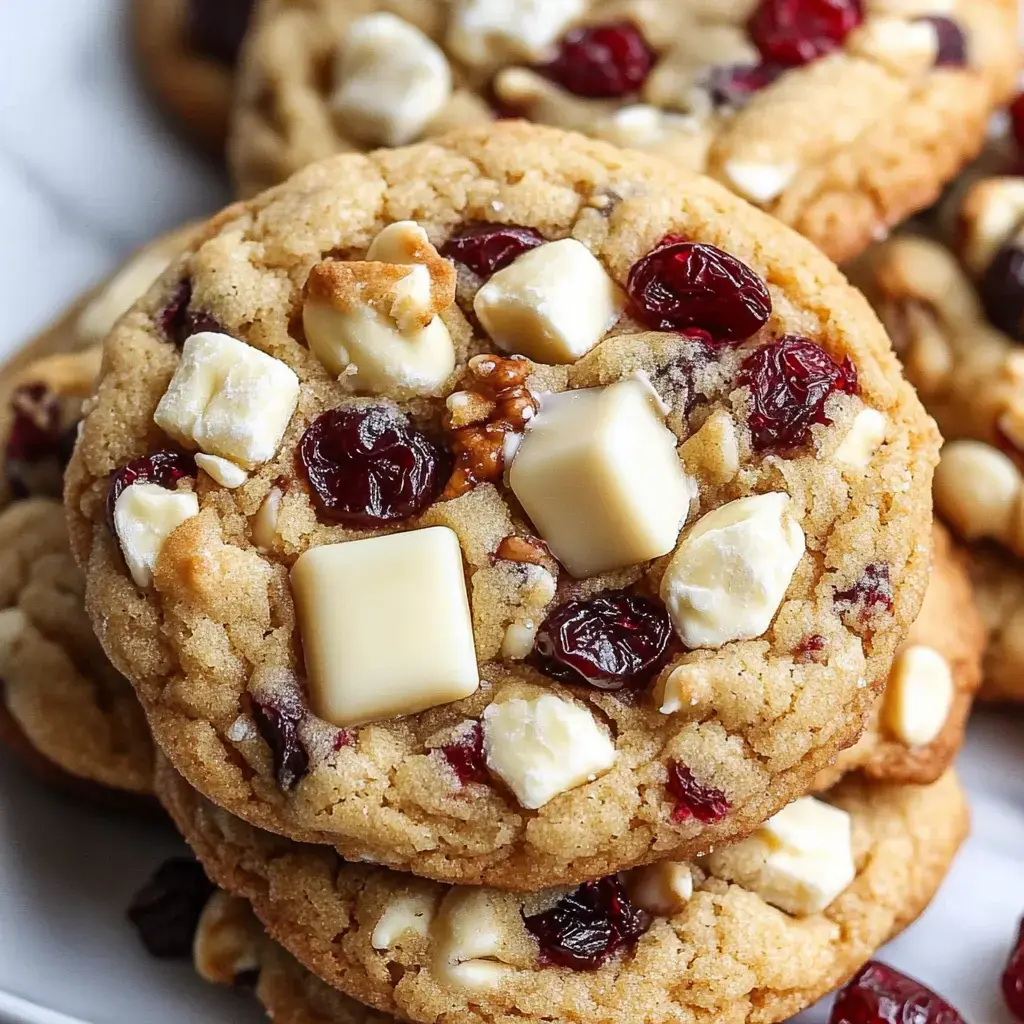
(520, 548)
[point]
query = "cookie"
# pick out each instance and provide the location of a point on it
(671, 942)
(537, 681)
(999, 585)
(186, 51)
(840, 118)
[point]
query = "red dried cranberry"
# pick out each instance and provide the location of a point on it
(609, 641)
(1013, 978)
(466, 757)
(342, 738)
(878, 994)
(602, 61)
(166, 910)
(798, 31)
(871, 594)
(589, 925)
(952, 43)
(811, 648)
(731, 85)
(367, 465)
(278, 720)
(683, 285)
(487, 248)
(1017, 120)
(790, 381)
(179, 322)
(694, 799)
(1002, 291)
(216, 28)
(165, 468)
(36, 423)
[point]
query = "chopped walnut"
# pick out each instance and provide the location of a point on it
(523, 549)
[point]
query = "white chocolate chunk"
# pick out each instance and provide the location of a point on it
(391, 80)
(977, 488)
(406, 914)
(903, 47)
(485, 33)
(227, 474)
(662, 889)
(518, 640)
(553, 304)
(760, 183)
(911, 8)
(918, 696)
(264, 523)
(991, 213)
(543, 747)
(145, 515)
(385, 625)
(598, 474)
(468, 940)
(866, 433)
(731, 571)
(228, 399)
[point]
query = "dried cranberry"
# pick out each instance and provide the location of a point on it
(342, 738)
(683, 285)
(216, 28)
(368, 465)
(798, 31)
(487, 248)
(589, 925)
(1002, 291)
(790, 381)
(609, 641)
(952, 43)
(811, 648)
(278, 720)
(466, 757)
(166, 910)
(1017, 120)
(35, 429)
(179, 322)
(694, 799)
(165, 468)
(1013, 978)
(878, 994)
(871, 594)
(602, 61)
(731, 85)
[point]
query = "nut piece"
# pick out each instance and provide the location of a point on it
(662, 889)
(990, 215)
(229, 399)
(264, 522)
(918, 695)
(226, 946)
(543, 747)
(411, 913)
(977, 489)
(598, 474)
(468, 940)
(760, 183)
(553, 304)
(866, 433)
(731, 571)
(391, 80)
(799, 861)
(227, 474)
(145, 515)
(486, 33)
(385, 625)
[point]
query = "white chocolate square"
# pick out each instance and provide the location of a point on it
(228, 399)
(385, 626)
(145, 515)
(484, 33)
(918, 696)
(391, 80)
(543, 747)
(553, 304)
(226, 473)
(731, 571)
(597, 472)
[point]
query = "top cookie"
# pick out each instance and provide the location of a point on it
(841, 117)
(334, 477)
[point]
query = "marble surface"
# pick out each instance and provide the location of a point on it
(88, 171)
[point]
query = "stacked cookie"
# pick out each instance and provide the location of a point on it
(493, 588)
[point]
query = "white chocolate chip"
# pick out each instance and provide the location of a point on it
(519, 640)
(468, 940)
(553, 304)
(412, 913)
(264, 523)
(228, 399)
(391, 80)
(227, 940)
(662, 889)
(731, 571)
(903, 47)
(598, 474)
(227, 474)
(385, 625)
(760, 183)
(543, 747)
(918, 696)
(976, 489)
(866, 433)
(485, 33)
(991, 213)
(145, 515)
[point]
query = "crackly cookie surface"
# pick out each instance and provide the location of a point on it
(840, 117)
(186, 51)
(428, 600)
(702, 941)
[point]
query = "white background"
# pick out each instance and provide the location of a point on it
(88, 172)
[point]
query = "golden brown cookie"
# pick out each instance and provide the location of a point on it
(999, 585)
(840, 118)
